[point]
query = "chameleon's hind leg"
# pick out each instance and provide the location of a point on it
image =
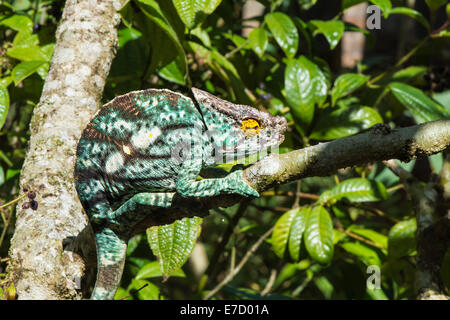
(112, 241)
(111, 253)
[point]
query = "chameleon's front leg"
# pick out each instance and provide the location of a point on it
(188, 186)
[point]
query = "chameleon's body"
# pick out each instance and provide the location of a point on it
(144, 149)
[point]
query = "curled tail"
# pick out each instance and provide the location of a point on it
(111, 254)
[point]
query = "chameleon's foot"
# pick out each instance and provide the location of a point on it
(236, 184)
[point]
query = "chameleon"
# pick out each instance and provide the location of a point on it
(141, 154)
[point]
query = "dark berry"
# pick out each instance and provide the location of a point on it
(31, 194)
(33, 205)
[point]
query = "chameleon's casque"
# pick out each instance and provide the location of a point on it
(146, 148)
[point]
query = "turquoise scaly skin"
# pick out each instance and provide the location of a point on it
(146, 148)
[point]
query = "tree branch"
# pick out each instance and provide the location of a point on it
(85, 47)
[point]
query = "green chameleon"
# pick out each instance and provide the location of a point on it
(140, 157)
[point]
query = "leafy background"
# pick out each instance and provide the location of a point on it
(327, 231)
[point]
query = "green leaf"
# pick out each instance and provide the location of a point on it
(288, 233)
(258, 41)
(172, 72)
(411, 13)
(153, 11)
(319, 235)
(306, 4)
(355, 190)
(306, 86)
(121, 293)
(342, 122)
(173, 243)
(346, 84)
(409, 73)
(4, 104)
(367, 255)
(284, 31)
(153, 270)
(25, 69)
(26, 48)
(402, 238)
(18, 23)
(385, 5)
(332, 30)
(422, 107)
(376, 237)
(435, 4)
(193, 12)
(147, 290)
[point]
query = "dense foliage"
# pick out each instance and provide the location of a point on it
(328, 232)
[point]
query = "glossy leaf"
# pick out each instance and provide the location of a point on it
(288, 232)
(25, 69)
(355, 190)
(411, 13)
(366, 254)
(384, 5)
(319, 235)
(153, 270)
(258, 40)
(193, 12)
(172, 72)
(4, 104)
(332, 30)
(173, 243)
(422, 107)
(145, 290)
(435, 4)
(284, 31)
(18, 23)
(346, 84)
(306, 4)
(306, 87)
(402, 238)
(343, 122)
(409, 73)
(374, 236)
(153, 11)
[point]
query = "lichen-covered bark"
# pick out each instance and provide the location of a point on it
(85, 44)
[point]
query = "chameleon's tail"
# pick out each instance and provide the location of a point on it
(111, 254)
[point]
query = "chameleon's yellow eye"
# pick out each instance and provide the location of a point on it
(250, 126)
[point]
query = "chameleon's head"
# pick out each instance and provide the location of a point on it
(239, 129)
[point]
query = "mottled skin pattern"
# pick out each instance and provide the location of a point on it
(144, 148)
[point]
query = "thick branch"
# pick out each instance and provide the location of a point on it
(324, 159)
(84, 49)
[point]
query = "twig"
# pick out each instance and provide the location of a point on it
(211, 270)
(269, 285)
(238, 268)
(297, 195)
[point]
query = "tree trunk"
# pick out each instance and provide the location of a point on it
(85, 47)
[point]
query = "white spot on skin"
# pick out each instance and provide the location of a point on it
(124, 124)
(145, 137)
(114, 162)
(126, 149)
